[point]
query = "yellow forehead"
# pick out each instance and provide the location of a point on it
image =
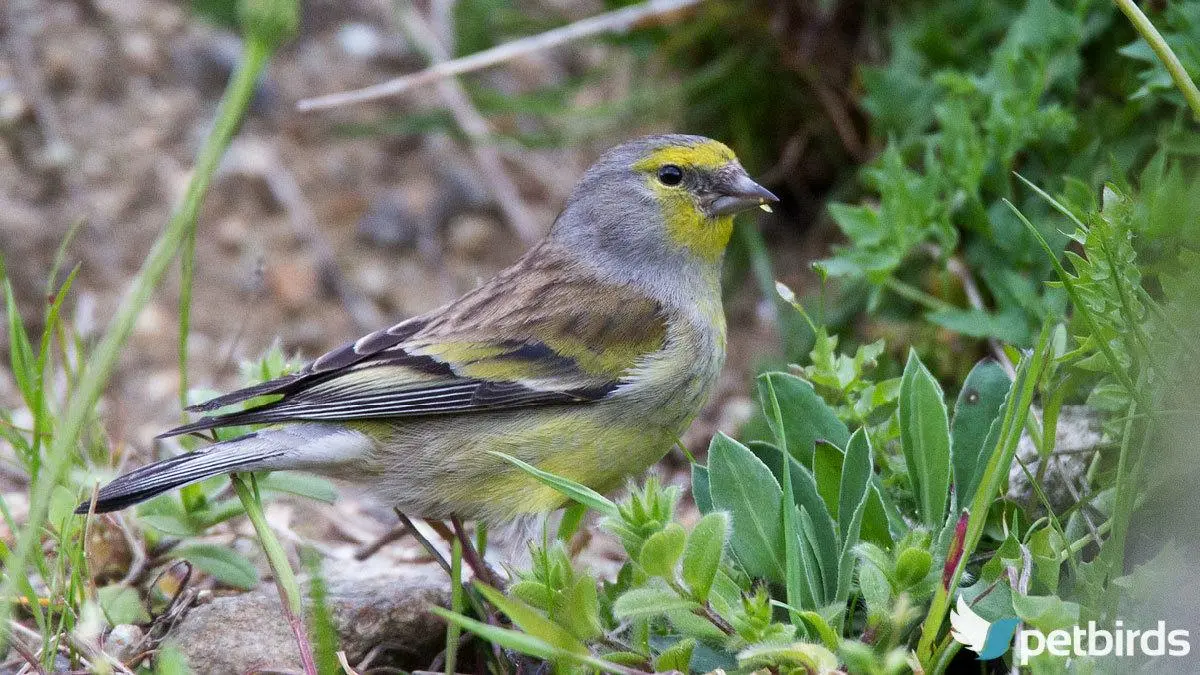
(706, 155)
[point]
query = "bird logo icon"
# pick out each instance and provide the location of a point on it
(987, 639)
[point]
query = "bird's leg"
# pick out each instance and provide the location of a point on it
(429, 547)
(481, 608)
(442, 529)
(471, 555)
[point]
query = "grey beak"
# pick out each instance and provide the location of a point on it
(737, 192)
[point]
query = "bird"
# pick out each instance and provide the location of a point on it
(586, 358)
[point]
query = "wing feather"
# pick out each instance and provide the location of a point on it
(541, 333)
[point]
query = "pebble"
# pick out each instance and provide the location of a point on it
(231, 233)
(390, 222)
(360, 40)
(153, 322)
(472, 235)
(372, 277)
(371, 603)
(141, 52)
(294, 282)
(123, 642)
(369, 44)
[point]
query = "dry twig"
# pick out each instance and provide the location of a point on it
(478, 131)
(395, 534)
(618, 21)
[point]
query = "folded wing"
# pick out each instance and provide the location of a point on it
(539, 334)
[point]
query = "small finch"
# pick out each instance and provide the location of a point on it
(586, 358)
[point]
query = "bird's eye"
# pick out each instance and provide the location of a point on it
(670, 175)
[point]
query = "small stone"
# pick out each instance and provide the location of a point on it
(142, 53)
(152, 323)
(58, 65)
(372, 278)
(390, 222)
(471, 235)
(360, 40)
(209, 64)
(294, 282)
(231, 233)
(124, 642)
(371, 603)
(368, 43)
(13, 108)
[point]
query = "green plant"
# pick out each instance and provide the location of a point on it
(1053, 100)
(799, 550)
(49, 450)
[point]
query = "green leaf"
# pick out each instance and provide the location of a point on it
(801, 574)
(875, 520)
(744, 487)
(661, 551)
(925, 440)
(1046, 613)
(702, 554)
(225, 565)
(1011, 327)
(806, 416)
(827, 471)
(581, 608)
(809, 657)
(171, 661)
(569, 488)
(823, 530)
(527, 644)
(856, 474)
(705, 659)
(912, 566)
(857, 467)
(978, 406)
(169, 524)
(799, 583)
(300, 484)
(21, 356)
(650, 601)
(819, 564)
(689, 624)
(701, 493)
(817, 625)
(1045, 546)
(533, 593)
(875, 588)
(572, 520)
(121, 604)
(677, 657)
(61, 512)
(532, 621)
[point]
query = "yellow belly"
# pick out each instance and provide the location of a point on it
(439, 468)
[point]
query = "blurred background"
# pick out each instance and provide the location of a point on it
(898, 135)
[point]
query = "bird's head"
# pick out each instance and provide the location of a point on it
(661, 200)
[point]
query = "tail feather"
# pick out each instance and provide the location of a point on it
(149, 481)
(306, 447)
